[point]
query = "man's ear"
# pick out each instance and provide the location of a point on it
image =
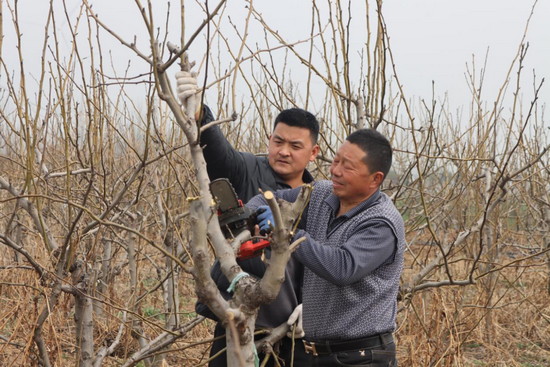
(314, 153)
(378, 178)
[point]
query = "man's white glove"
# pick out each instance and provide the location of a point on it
(296, 317)
(187, 88)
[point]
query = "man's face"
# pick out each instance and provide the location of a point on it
(290, 150)
(352, 181)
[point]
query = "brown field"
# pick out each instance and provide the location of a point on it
(447, 326)
(95, 179)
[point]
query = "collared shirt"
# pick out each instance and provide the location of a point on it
(352, 264)
(342, 269)
(352, 260)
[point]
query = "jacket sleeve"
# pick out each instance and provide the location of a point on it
(371, 245)
(222, 160)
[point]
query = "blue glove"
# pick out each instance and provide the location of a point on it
(265, 219)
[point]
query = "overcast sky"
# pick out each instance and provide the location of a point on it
(431, 40)
(434, 40)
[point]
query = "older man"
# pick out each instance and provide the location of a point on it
(353, 257)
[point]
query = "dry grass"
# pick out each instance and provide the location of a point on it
(441, 327)
(21, 304)
(449, 326)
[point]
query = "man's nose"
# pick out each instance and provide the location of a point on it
(284, 151)
(335, 170)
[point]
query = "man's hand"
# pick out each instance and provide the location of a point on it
(296, 317)
(265, 219)
(187, 88)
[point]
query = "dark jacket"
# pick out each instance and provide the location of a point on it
(248, 173)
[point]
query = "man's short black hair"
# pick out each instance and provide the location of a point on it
(299, 118)
(376, 146)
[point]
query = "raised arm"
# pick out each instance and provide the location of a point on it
(222, 160)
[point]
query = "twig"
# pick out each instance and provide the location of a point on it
(233, 117)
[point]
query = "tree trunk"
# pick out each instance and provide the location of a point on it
(83, 315)
(240, 348)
